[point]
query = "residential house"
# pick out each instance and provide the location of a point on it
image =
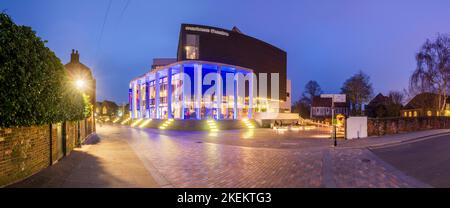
(321, 108)
(425, 104)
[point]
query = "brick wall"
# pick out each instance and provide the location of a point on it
(25, 151)
(383, 126)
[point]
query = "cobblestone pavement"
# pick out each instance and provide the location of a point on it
(134, 157)
(189, 159)
(103, 163)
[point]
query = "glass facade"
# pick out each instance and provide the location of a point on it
(193, 90)
(192, 46)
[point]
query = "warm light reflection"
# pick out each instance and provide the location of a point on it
(125, 121)
(166, 123)
(145, 123)
(212, 125)
(321, 136)
(249, 134)
(135, 123)
(248, 123)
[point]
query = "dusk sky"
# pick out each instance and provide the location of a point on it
(326, 41)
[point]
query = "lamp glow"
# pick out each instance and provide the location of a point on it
(80, 84)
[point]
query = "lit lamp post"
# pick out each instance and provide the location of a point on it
(334, 98)
(80, 84)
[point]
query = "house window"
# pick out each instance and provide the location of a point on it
(405, 114)
(410, 113)
(429, 113)
(415, 113)
(192, 43)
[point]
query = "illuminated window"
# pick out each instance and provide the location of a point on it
(192, 42)
(415, 113)
(405, 114)
(410, 114)
(438, 113)
(447, 112)
(429, 113)
(104, 110)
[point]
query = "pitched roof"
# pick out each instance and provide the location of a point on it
(425, 100)
(379, 99)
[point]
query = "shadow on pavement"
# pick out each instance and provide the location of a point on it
(77, 170)
(94, 139)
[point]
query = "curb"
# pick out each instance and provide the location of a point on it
(417, 139)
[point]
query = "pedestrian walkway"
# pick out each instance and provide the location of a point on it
(103, 162)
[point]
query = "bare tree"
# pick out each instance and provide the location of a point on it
(433, 69)
(358, 90)
(312, 88)
(396, 97)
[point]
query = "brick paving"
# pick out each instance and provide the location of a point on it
(155, 158)
(183, 160)
(103, 163)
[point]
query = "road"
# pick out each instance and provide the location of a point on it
(427, 160)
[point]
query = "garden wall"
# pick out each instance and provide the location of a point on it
(383, 126)
(25, 151)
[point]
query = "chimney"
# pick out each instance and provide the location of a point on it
(74, 56)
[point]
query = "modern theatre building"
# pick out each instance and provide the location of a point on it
(218, 74)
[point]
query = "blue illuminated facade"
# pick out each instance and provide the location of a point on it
(197, 90)
(218, 74)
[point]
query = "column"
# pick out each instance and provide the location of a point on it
(138, 99)
(147, 97)
(235, 106)
(130, 101)
(169, 93)
(157, 95)
(219, 91)
(183, 84)
(198, 89)
(250, 96)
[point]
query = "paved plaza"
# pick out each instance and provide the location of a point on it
(123, 156)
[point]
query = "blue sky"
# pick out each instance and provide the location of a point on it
(326, 40)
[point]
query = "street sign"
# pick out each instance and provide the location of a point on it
(337, 98)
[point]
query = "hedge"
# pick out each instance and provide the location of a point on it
(34, 86)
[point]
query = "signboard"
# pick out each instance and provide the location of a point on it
(206, 30)
(337, 98)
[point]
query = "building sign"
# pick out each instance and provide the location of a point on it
(337, 98)
(207, 30)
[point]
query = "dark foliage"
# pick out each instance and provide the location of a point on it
(34, 87)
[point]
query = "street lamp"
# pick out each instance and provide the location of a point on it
(80, 84)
